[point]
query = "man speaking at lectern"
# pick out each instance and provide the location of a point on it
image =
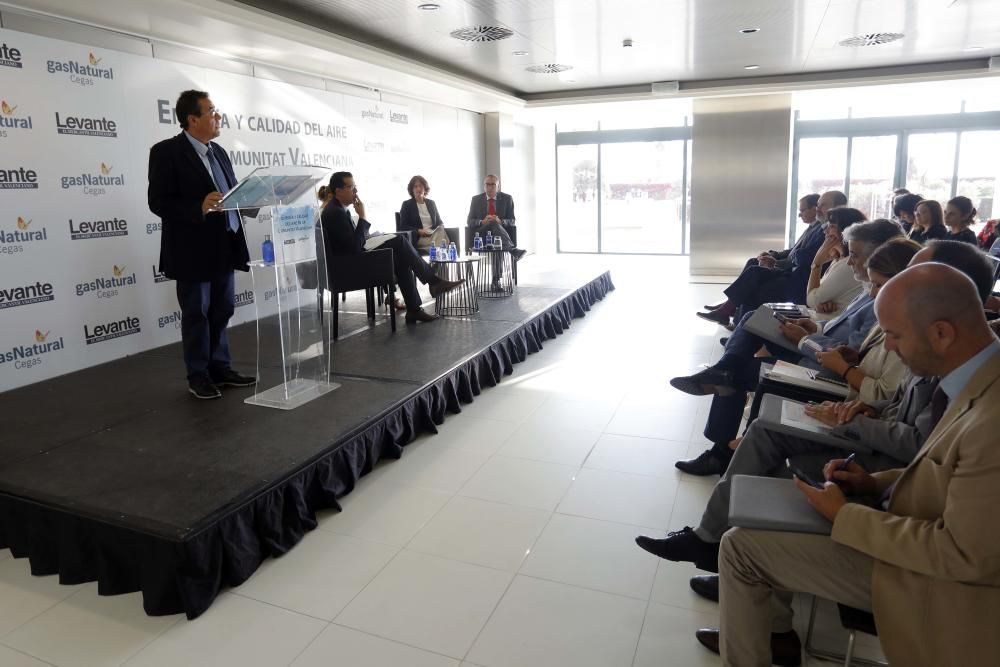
(200, 245)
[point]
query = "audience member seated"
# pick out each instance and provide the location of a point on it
(928, 222)
(737, 371)
(767, 282)
(345, 237)
(923, 556)
(421, 215)
(904, 209)
(492, 211)
(959, 216)
(780, 259)
(968, 259)
(872, 372)
(829, 291)
(988, 235)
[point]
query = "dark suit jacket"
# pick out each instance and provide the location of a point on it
(339, 234)
(193, 246)
(478, 208)
(800, 259)
(409, 218)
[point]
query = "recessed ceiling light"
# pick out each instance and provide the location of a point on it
(749, 31)
(519, 53)
(751, 67)
(429, 6)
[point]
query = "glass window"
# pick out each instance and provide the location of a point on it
(576, 176)
(931, 164)
(822, 167)
(642, 193)
(979, 171)
(873, 164)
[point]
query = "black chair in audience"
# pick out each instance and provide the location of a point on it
(854, 621)
(470, 234)
(452, 233)
(368, 271)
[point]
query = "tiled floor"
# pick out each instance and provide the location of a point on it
(504, 540)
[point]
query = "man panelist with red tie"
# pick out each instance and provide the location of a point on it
(492, 211)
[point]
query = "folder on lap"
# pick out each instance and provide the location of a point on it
(763, 324)
(773, 503)
(781, 415)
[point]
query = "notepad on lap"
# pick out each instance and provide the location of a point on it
(773, 503)
(781, 415)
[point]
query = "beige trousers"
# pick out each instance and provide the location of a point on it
(436, 237)
(758, 568)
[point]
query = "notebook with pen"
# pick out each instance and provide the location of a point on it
(781, 415)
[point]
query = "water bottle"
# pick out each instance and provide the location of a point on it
(498, 242)
(452, 252)
(443, 252)
(489, 239)
(477, 242)
(432, 253)
(267, 250)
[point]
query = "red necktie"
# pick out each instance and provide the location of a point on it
(491, 208)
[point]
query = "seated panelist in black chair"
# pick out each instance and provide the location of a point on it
(493, 211)
(345, 237)
(420, 214)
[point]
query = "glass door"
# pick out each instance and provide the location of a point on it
(869, 181)
(577, 198)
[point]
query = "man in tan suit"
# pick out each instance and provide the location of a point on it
(926, 559)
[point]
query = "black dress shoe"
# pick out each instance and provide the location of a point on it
(230, 378)
(683, 545)
(705, 464)
(709, 381)
(419, 315)
(715, 316)
(707, 586)
(517, 253)
(442, 286)
(786, 649)
(201, 387)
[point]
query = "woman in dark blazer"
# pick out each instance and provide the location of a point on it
(928, 222)
(420, 214)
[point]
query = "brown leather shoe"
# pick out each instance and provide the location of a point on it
(442, 286)
(786, 649)
(419, 315)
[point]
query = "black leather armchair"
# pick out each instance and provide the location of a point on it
(368, 271)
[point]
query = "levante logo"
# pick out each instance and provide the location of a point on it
(18, 178)
(86, 126)
(26, 295)
(159, 276)
(82, 73)
(107, 286)
(94, 184)
(244, 298)
(11, 120)
(13, 242)
(98, 333)
(33, 354)
(97, 229)
(10, 56)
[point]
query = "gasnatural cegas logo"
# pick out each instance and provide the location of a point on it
(25, 295)
(85, 126)
(18, 178)
(107, 286)
(32, 354)
(11, 120)
(97, 184)
(97, 229)
(372, 114)
(97, 333)
(10, 56)
(85, 73)
(14, 241)
(172, 319)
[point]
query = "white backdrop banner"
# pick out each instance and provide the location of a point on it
(79, 248)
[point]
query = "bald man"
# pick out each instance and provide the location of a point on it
(926, 556)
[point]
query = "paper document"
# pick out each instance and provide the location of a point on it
(794, 414)
(377, 239)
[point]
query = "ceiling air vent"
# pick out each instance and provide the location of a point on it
(871, 39)
(548, 68)
(482, 33)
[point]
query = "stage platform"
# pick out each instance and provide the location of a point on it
(115, 474)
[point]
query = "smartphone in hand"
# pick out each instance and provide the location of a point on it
(781, 318)
(802, 476)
